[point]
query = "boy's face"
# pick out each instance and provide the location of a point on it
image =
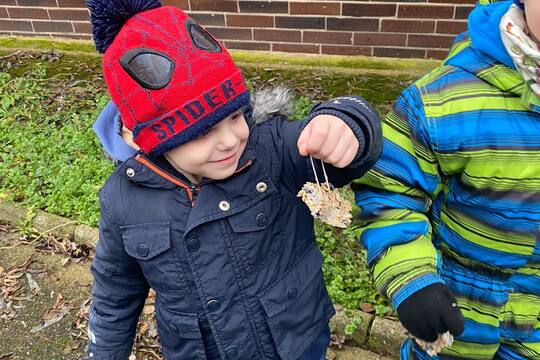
(215, 154)
(532, 14)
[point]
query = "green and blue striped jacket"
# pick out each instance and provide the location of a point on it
(459, 176)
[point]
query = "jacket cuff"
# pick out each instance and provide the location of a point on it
(356, 129)
(414, 286)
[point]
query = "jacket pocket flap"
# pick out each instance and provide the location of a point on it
(145, 241)
(290, 287)
(257, 217)
(184, 325)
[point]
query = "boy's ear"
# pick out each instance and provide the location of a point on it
(127, 135)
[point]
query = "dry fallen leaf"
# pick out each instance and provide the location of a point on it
(59, 309)
(366, 307)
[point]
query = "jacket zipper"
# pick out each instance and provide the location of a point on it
(191, 189)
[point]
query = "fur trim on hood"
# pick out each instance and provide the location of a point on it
(269, 102)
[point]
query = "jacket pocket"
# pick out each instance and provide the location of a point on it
(258, 233)
(180, 335)
(297, 306)
(151, 245)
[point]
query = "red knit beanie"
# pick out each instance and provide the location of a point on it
(170, 79)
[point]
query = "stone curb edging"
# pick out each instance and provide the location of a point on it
(377, 334)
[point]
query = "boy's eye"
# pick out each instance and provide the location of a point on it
(236, 116)
(206, 132)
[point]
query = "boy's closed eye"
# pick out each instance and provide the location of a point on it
(232, 118)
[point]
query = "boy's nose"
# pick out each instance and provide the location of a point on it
(227, 139)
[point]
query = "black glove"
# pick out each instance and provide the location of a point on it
(431, 311)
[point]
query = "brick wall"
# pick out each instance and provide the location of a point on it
(407, 28)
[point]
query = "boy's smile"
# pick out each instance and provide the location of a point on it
(215, 154)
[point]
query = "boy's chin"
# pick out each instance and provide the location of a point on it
(222, 174)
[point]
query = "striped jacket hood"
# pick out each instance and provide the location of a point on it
(466, 56)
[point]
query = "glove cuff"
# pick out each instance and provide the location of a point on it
(413, 286)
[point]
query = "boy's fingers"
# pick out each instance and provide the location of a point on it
(338, 151)
(334, 136)
(349, 156)
(302, 139)
(317, 135)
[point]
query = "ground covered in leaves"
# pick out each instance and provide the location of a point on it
(45, 286)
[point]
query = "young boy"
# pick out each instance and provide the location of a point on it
(206, 212)
(452, 211)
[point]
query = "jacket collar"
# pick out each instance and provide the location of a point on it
(157, 172)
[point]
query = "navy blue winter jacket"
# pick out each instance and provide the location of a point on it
(233, 263)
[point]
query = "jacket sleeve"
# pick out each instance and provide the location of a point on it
(395, 198)
(365, 124)
(118, 294)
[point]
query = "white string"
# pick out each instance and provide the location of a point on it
(314, 170)
(325, 176)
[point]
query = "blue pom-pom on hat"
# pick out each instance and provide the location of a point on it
(108, 17)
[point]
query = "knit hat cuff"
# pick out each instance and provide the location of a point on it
(193, 118)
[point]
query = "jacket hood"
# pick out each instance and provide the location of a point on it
(484, 31)
(265, 104)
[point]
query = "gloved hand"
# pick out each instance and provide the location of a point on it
(431, 311)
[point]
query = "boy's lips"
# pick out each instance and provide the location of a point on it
(226, 160)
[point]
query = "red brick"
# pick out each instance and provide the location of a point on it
(3, 13)
(277, 35)
(230, 33)
(270, 7)
(300, 22)
(73, 15)
(71, 3)
(27, 13)
(425, 11)
(462, 12)
(52, 26)
(82, 27)
(37, 3)
(250, 20)
(297, 48)
(209, 19)
(182, 4)
(380, 39)
(214, 5)
(437, 54)
(345, 50)
(372, 10)
(247, 45)
(315, 8)
(451, 27)
(8, 2)
(15, 25)
(408, 26)
(352, 24)
(327, 37)
(25, 34)
(430, 41)
(399, 52)
(472, 2)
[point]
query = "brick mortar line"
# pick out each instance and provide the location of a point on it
(391, 334)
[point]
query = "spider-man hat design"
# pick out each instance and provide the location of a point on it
(170, 79)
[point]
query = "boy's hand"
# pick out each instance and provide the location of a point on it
(329, 139)
(430, 312)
